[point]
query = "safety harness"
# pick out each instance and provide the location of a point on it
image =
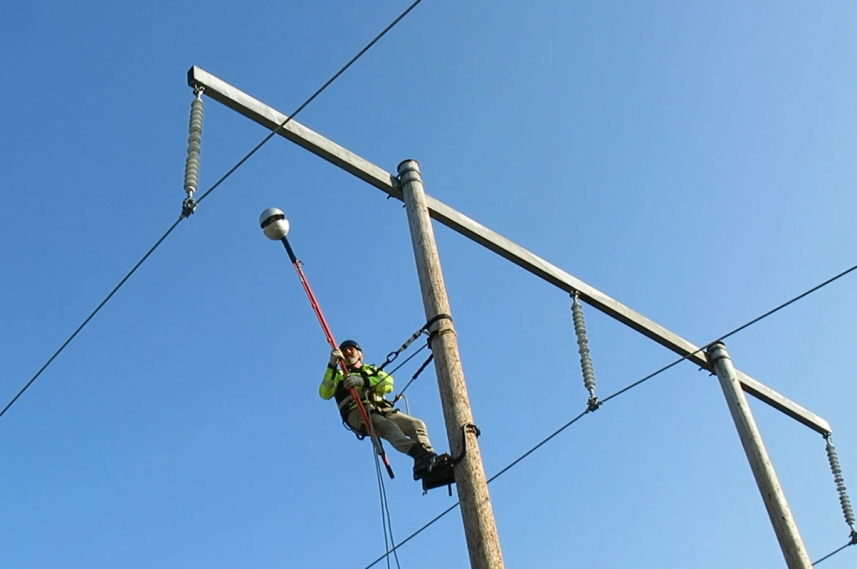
(375, 402)
(441, 472)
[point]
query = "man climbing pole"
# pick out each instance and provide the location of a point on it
(407, 434)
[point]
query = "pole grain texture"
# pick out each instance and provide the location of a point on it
(483, 542)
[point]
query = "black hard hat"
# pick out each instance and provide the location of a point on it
(350, 344)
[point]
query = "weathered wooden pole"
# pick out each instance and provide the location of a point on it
(766, 478)
(480, 529)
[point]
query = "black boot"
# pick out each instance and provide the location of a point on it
(423, 460)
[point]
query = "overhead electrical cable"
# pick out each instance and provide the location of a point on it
(205, 194)
(499, 474)
(739, 329)
(91, 315)
(832, 553)
(310, 99)
(783, 305)
(622, 391)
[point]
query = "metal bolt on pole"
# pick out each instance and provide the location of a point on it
(766, 478)
(483, 543)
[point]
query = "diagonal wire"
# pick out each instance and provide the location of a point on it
(510, 466)
(831, 554)
(787, 303)
(204, 195)
(625, 390)
(416, 533)
(91, 316)
(538, 446)
(738, 329)
(311, 98)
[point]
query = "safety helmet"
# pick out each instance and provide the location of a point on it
(350, 344)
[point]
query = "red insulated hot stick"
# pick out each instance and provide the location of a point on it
(317, 309)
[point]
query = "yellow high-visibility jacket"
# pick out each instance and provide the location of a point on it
(376, 384)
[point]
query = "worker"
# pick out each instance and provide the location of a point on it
(407, 434)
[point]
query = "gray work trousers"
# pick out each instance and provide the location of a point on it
(401, 430)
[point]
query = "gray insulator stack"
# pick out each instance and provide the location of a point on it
(583, 348)
(194, 139)
(840, 484)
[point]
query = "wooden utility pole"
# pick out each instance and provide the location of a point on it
(766, 478)
(480, 529)
(479, 524)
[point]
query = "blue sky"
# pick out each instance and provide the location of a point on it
(695, 161)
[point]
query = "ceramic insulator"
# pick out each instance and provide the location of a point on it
(583, 346)
(194, 139)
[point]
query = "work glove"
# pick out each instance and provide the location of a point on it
(353, 380)
(335, 356)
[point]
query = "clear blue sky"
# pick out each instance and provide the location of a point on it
(695, 161)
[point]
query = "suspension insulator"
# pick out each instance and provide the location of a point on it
(583, 347)
(840, 483)
(194, 139)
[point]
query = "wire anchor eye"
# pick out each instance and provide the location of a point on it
(194, 141)
(583, 350)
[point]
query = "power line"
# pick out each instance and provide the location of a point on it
(91, 315)
(311, 98)
(783, 305)
(738, 329)
(512, 464)
(831, 554)
(621, 392)
(203, 196)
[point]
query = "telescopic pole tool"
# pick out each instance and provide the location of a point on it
(276, 227)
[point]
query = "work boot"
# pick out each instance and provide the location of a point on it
(423, 460)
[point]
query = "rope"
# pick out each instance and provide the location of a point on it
(386, 520)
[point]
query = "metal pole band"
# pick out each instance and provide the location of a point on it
(716, 352)
(437, 318)
(409, 171)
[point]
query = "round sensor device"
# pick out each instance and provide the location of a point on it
(274, 223)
